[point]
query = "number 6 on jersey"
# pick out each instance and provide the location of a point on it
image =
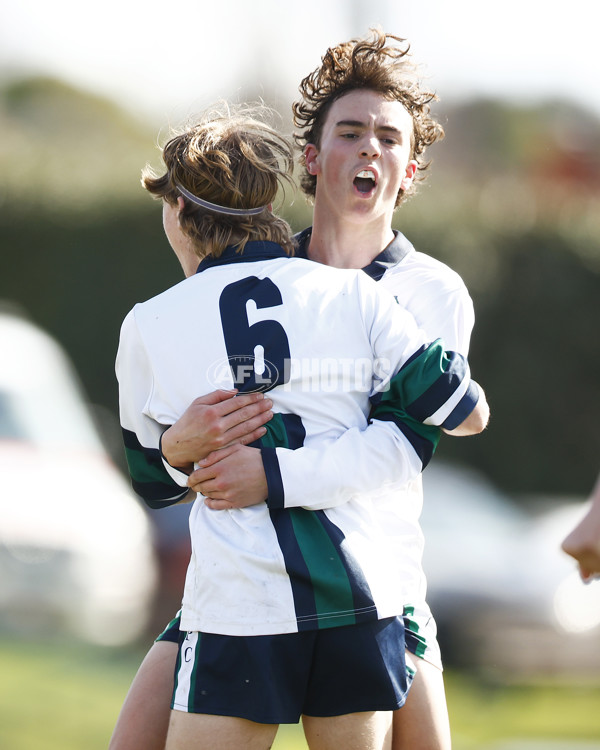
(258, 354)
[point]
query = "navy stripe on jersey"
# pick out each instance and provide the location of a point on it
(149, 478)
(464, 407)
(294, 430)
(423, 438)
(283, 431)
(445, 371)
(276, 494)
(328, 588)
(363, 600)
(455, 368)
(424, 383)
(398, 379)
(296, 568)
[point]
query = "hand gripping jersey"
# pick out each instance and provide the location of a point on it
(328, 345)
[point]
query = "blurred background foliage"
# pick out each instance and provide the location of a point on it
(512, 204)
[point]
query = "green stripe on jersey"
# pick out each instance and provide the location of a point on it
(407, 386)
(144, 469)
(334, 599)
(276, 435)
(418, 376)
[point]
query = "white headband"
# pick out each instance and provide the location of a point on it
(218, 209)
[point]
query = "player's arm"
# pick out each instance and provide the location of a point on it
(432, 392)
(150, 477)
(323, 475)
(432, 389)
(320, 476)
(160, 458)
(212, 422)
(451, 317)
(476, 421)
(393, 449)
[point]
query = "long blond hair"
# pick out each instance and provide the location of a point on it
(234, 159)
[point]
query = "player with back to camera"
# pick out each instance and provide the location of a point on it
(366, 126)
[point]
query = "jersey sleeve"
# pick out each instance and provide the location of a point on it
(150, 477)
(437, 297)
(420, 389)
(452, 319)
(359, 461)
(419, 380)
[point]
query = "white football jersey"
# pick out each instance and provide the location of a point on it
(332, 349)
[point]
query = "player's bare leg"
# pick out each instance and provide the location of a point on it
(422, 723)
(144, 717)
(360, 731)
(205, 732)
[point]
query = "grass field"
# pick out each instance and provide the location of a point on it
(67, 697)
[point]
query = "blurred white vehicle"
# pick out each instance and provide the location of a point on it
(503, 593)
(76, 547)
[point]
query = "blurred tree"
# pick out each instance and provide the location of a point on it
(535, 349)
(63, 148)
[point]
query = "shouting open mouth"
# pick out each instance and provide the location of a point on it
(365, 181)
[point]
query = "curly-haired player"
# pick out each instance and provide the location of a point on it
(382, 64)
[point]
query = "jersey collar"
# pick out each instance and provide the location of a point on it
(390, 256)
(253, 251)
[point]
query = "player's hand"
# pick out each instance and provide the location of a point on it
(212, 422)
(233, 477)
(583, 543)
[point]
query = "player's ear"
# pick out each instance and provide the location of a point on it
(409, 175)
(180, 203)
(311, 159)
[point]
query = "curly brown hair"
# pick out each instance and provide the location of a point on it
(381, 63)
(232, 159)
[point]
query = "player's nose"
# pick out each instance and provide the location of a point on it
(369, 146)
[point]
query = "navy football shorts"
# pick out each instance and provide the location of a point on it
(275, 679)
